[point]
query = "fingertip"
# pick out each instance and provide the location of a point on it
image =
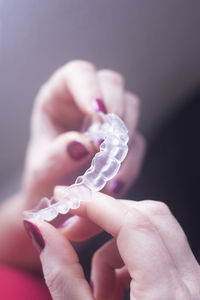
(60, 264)
(54, 243)
(77, 150)
(66, 154)
(34, 234)
(133, 99)
(99, 106)
(116, 187)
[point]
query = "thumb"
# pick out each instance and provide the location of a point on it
(57, 161)
(67, 153)
(63, 274)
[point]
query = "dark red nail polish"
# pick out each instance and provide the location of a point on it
(35, 235)
(77, 150)
(116, 186)
(98, 106)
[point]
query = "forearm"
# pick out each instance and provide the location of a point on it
(15, 247)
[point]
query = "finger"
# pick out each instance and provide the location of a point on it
(57, 163)
(68, 152)
(55, 109)
(104, 263)
(140, 246)
(72, 91)
(132, 112)
(83, 85)
(130, 168)
(104, 211)
(78, 79)
(173, 237)
(112, 87)
(122, 283)
(62, 272)
(79, 229)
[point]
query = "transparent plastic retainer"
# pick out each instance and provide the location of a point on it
(104, 166)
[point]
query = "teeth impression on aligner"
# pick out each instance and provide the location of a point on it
(104, 166)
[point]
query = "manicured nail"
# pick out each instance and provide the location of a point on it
(91, 286)
(35, 235)
(100, 141)
(67, 222)
(77, 150)
(98, 106)
(116, 186)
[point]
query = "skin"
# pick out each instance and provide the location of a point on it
(149, 253)
(58, 113)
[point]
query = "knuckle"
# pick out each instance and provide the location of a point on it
(132, 98)
(111, 75)
(138, 221)
(54, 279)
(42, 94)
(156, 207)
(80, 65)
(37, 175)
(181, 292)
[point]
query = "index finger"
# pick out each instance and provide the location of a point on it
(105, 211)
(75, 85)
(139, 243)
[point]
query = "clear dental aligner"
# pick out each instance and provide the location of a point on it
(114, 135)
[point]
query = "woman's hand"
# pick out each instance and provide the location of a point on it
(149, 253)
(57, 149)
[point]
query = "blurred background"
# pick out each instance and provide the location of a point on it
(154, 44)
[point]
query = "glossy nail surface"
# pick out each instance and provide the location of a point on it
(76, 150)
(98, 106)
(35, 235)
(92, 286)
(116, 186)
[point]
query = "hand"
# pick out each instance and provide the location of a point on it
(57, 150)
(149, 253)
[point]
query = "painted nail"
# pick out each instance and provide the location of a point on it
(98, 106)
(67, 222)
(116, 186)
(35, 235)
(77, 150)
(91, 286)
(100, 141)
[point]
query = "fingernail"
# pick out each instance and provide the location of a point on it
(67, 222)
(77, 150)
(91, 286)
(98, 106)
(116, 186)
(100, 141)
(35, 235)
